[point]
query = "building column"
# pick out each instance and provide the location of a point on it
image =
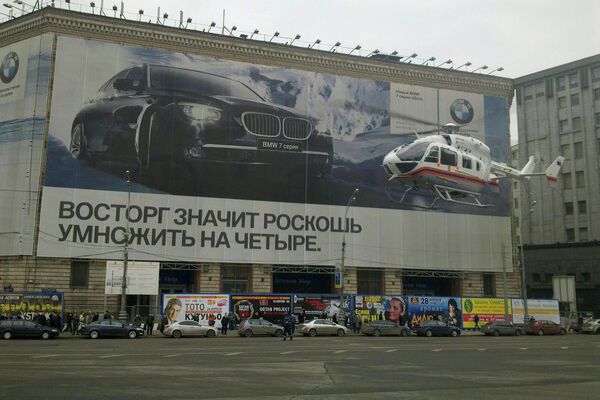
(210, 278)
(262, 279)
(472, 285)
(350, 286)
(392, 281)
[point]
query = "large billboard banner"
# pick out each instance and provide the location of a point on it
(273, 308)
(380, 307)
(315, 306)
(447, 309)
(26, 305)
(142, 277)
(237, 162)
(546, 310)
(201, 307)
(487, 309)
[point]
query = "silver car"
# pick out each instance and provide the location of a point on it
(258, 326)
(322, 327)
(189, 328)
(591, 326)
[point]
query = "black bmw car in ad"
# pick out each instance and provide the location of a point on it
(178, 130)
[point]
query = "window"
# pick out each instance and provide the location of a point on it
(235, 279)
(596, 74)
(562, 102)
(582, 207)
(536, 277)
(369, 281)
(570, 235)
(515, 185)
(478, 164)
(563, 125)
(569, 208)
(448, 157)
(434, 155)
(561, 83)
(516, 203)
(577, 123)
(578, 147)
(564, 151)
(575, 99)
(597, 94)
(586, 276)
(597, 118)
(467, 162)
(583, 234)
(528, 97)
(580, 179)
(80, 272)
(567, 181)
(573, 81)
(539, 94)
(489, 285)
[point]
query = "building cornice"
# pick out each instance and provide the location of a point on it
(53, 20)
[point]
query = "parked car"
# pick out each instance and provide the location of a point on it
(173, 122)
(591, 326)
(380, 328)
(436, 328)
(257, 326)
(500, 328)
(321, 327)
(543, 327)
(110, 328)
(19, 328)
(189, 328)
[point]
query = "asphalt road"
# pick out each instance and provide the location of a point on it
(353, 367)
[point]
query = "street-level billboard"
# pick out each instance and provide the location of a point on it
(142, 277)
(199, 307)
(317, 305)
(487, 309)
(272, 307)
(238, 162)
(381, 307)
(424, 308)
(546, 310)
(26, 305)
(24, 76)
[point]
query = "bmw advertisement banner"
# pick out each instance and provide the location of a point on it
(446, 309)
(237, 162)
(24, 75)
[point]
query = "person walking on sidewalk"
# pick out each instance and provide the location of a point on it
(149, 325)
(289, 326)
(224, 324)
(476, 320)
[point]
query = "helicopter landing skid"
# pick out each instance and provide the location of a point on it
(451, 194)
(405, 193)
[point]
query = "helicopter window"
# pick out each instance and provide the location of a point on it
(448, 157)
(434, 155)
(467, 162)
(478, 165)
(412, 152)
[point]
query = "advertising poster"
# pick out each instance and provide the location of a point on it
(390, 308)
(447, 309)
(273, 308)
(24, 76)
(238, 162)
(199, 307)
(26, 305)
(314, 306)
(142, 277)
(539, 309)
(488, 310)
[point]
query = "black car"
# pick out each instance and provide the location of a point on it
(501, 328)
(19, 328)
(436, 328)
(110, 328)
(381, 328)
(172, 125)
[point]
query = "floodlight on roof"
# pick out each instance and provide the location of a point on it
(499, 69)
(294, 39)
(481, 68)
(337, 44)
(313, 45)
(274, 36)
(358, 47)
(429, 59)
(445, 62)
(254, 33)
(376, 51)
(212, 25)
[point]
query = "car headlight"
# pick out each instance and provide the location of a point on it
(200, 112)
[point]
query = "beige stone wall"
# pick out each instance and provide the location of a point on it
(262, 279)
(472, 285)
(349, 280)
(208, 279)
(392, 281)
(513, 284)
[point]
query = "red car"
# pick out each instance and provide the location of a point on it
(544, 328)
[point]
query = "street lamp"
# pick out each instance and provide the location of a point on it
(123, 310)
(310, 46)
(429, 59)
(212, 25)
(523, 277)
(445, 62)
(357, 48)
(274, 36)
(481, 68)
(376, 51)
(499, 69)
(337, 44)
(409, 58)
(294, 39)
(351, 200)
(254, 33)
(467, 64)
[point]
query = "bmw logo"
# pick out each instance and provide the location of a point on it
(461, 111)
(9, 67)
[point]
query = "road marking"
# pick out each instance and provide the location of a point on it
(522, 348)
(391, 350)
(46, 356)
(564, 348)
(233, 354)
(171, 355)
(436, 350)
(288, 352)
(111, 356)
(481, 349)
(340, 351)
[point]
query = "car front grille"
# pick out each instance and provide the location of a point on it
(296, 128)
(261, 124)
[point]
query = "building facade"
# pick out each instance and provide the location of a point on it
(65, 181)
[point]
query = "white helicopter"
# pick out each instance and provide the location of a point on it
(455, 168)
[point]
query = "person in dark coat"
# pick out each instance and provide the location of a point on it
(224, 324)
(95, 317)
(302, 317)
(334, 319)
(289, 326)
(476, 321)
(149, 325)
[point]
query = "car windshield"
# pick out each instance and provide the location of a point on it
(185, 80)
(412, 152)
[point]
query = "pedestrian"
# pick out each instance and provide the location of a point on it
(196, 317)
(334, 318)
(224, 324)
(476, 320)
(323, 315)
(149, 324)
(88, 317)
(289, 326)
(138, 320)
(232, 321)
(381, 315)
(302, 317)
(107, 315)
(95, 317)
(74, 323)
(68, 323)
(356, 322)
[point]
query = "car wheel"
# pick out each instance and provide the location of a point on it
(278, 333)
(404, 333)
(7, 335)
(496, 333)
(340, 332)
(376, 332)
(428, 333)
(94, 335)
(563, 332)
(248, 333)
(540, 333)
(45, 335)
(312, 333)
(210, 333)
(176, 334)
(132, 334)
(454, 334)
(78, 146)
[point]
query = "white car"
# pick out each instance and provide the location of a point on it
(189, 328)
(591, 326)
(322, 327)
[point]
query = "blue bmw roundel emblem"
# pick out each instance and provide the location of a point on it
(9, 67)
(461, 111)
